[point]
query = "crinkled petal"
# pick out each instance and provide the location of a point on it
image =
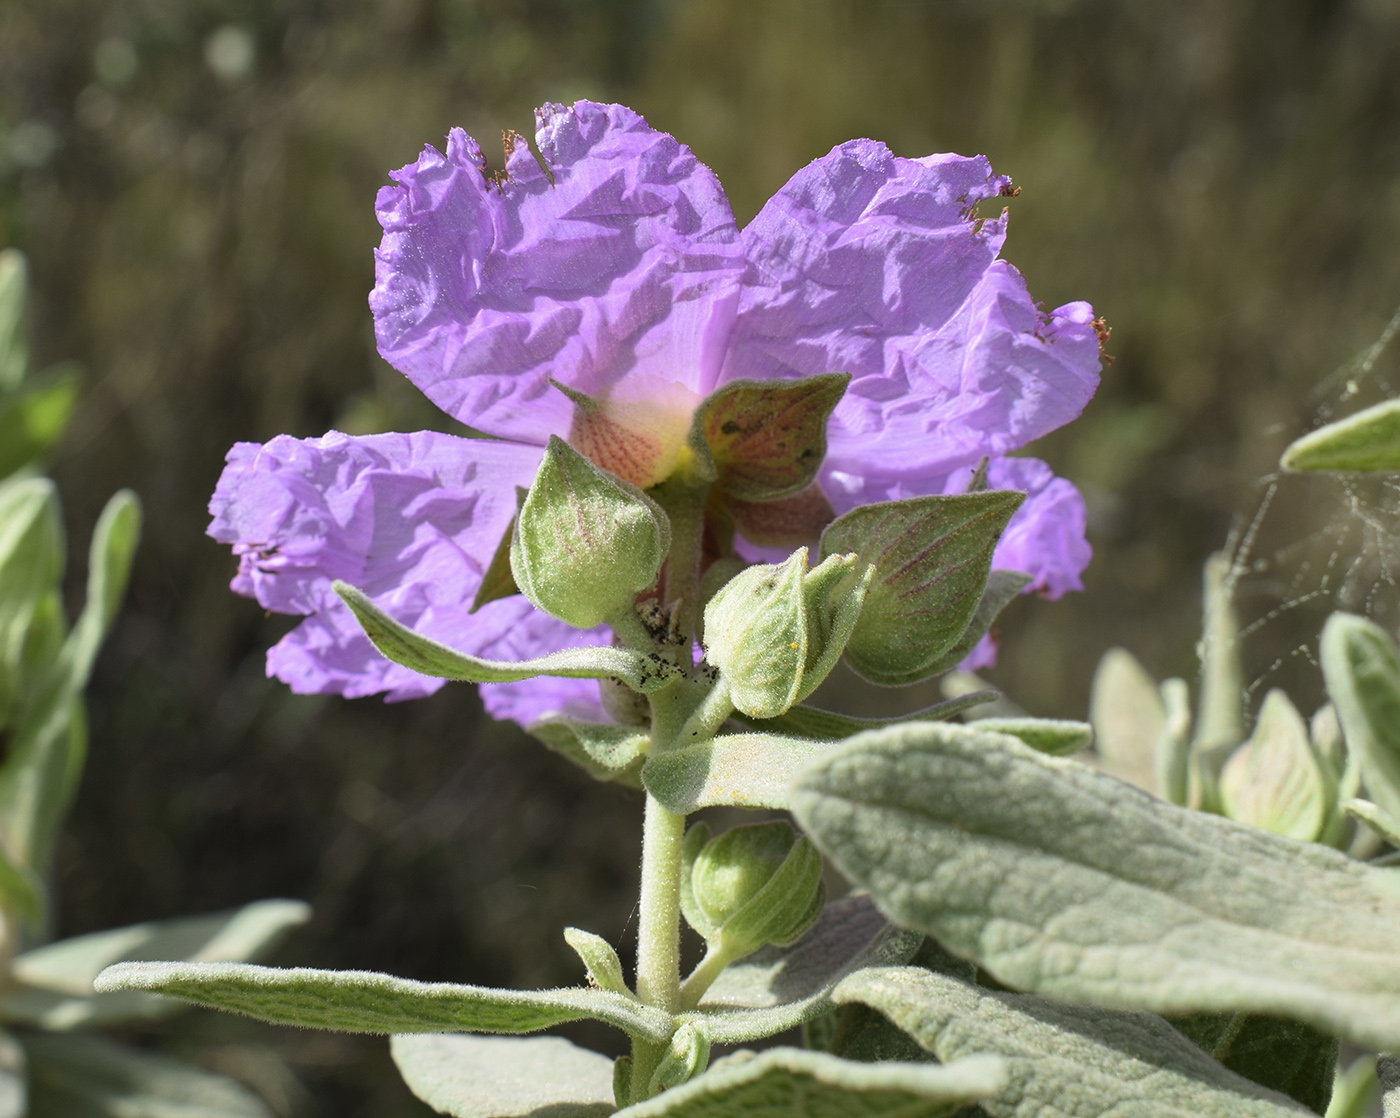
(874, 265)
(412, 520)
(1045, 538)
(614, 268)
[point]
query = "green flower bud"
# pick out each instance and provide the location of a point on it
(686, 1056)
(775, 631)
(586, 543)
(757, 884)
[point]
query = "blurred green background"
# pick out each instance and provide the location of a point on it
(193, 181)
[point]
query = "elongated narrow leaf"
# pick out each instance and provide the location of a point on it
(33, 418)
(403, 646)
(809, 722)
(1356, 1091)
(605, 750)
(1368, 440)
(366, 1002)
(1063, 1059)
(1282, 1055)
(20, 889)
(776, 989)
(75, 1076)
(1128, 717)
(1065, 882)
(793, 1083)
(505, 1077)
(1382, 822)
(14, 349)
(1058, 737)
(1362, 668)
(53, 987)
(732, 770)
(932, 556)
(14, 1078)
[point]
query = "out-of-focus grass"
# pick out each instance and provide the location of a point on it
(194, 183)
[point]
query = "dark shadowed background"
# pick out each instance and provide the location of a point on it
(193, 181)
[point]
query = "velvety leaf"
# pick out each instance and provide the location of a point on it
(34, 417)
(1066, 882)
(812, 723)
(403, 646)
(768, 438)
(76, 1076)
(792, 1083)
(31, 564)
(1062, 1059)
(1275, 780)
(53, 987)
(1362, 669)
(1173, 758)
(778, 988)
(932, 556)
(599, 958)
(48, 739)
(605, 750)
(1283, 1055)
(1128, 717)
(505, 1077)
(1055, 736)
(1368, 440)
(366, 1002)
(732, 770)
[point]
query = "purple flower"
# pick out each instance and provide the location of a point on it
(613, 268)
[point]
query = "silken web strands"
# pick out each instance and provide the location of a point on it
(780, 447)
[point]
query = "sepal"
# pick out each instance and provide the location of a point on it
(586, 543)
(686, 1056)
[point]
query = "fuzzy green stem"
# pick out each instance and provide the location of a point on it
(703, 976)
(658, 931)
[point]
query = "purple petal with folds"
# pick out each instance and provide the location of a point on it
(1045, 538)
(874, 265)
(412, 520)
(621, 271)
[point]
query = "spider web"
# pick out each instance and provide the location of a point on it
(1317, 543)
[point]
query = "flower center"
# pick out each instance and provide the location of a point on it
(639, 437)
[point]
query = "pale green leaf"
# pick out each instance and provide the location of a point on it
(20, 889)
(1173, 756)
(809, 722)
(1055, 736)
(505, 1077)
(776, 989)
(1220, 717)
(957, 685)
(366, 1002)
(1379, 820)
(76, 1076)
(1128, 717)
(932, 557)
(53, 983)
(31, 565)
(14, 1078)
(1362, 669)
(1063, 1059)
(34, 416)
(732, 770)
(1368, 441)
(403, 646)
(793, 1083)
(14, 350)
(1356, 1091)
(1066, 882)
(599, 958)
(1275, 780)
(605, 750)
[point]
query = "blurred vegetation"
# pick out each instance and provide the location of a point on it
(193, 181)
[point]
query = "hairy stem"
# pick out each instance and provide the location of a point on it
(703, 976)
(658, 932)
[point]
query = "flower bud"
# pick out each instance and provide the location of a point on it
(586, 543)
(758, 884)
(686, 1056)
(775, 631)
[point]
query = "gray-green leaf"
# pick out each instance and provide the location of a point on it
(53, 983)
(1128, 716)
(732, 770)
(792, 1083)
(604, 750)
(776, 989)
(76, 1076)
(1362, 669)
(367, 1002)
(1061, 880)
(932, 556)
(505, 1077)
(1063, 1059)
(809, 722)
(413, 650)
(1368, 440)
(1058, 737)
